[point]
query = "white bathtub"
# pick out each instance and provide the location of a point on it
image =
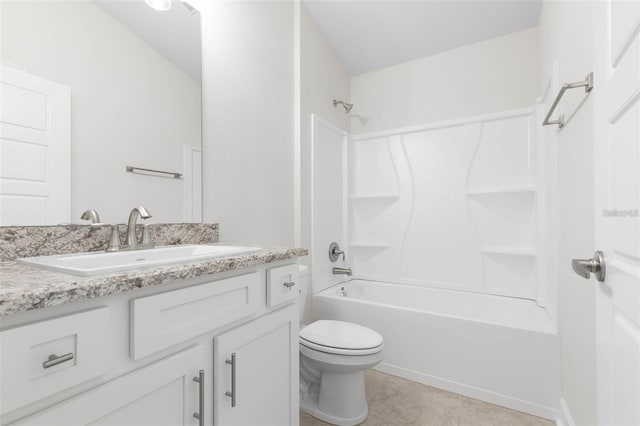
(498, 349)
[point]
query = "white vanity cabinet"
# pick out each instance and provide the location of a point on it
(159, 342)
(256, 372)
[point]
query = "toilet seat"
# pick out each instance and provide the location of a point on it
(341, 338)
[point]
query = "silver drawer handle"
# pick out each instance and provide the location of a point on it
(232, 394)
(200, 414)
(289, 284)
(55, 360)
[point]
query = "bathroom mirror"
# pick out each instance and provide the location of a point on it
(108, 84)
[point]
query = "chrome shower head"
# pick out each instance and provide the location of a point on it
(347, 107)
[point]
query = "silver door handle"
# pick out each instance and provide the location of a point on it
(586, 267)
(289, 284)
(232, 394)
(200, 414)
(55, 360)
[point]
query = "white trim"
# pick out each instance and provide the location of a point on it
(447, 123)
(546, 202)
(472, 392)
(566, 419)
(329, 125)
(345, 188)
(297, 137)
(187, 182)
(312, 214)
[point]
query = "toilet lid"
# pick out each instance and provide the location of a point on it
(340, 335)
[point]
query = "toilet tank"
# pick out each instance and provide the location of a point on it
(304, 286)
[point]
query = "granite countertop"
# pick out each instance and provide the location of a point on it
(24, 287)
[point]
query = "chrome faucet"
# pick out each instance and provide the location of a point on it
(141, 212)
(91, 215)
(342, 271)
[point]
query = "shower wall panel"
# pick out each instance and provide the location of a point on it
(449, 205)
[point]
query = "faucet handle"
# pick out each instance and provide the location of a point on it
(91, 215)
(335, 252)
(114, 241)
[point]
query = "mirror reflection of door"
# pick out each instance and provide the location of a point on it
(134, 76)
(35, 141)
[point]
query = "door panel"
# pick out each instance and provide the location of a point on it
(617, 172)
(35, 150)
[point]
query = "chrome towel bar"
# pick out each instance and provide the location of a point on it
(132, 169)
(587, 83)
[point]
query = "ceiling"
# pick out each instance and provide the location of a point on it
(371, 34)
(174, 33)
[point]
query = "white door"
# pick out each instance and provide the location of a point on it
(264, 354)
(35, 150)
(163, 393)
(617, 173)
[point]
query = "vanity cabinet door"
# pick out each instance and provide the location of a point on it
(163, 393)
(265, 391)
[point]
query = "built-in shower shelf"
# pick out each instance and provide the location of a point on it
(380, 196)
(509, 251)
(505, 190)
(369, 244)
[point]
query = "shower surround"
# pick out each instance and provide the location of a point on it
(450, 225)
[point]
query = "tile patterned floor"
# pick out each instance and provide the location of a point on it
(397, 402)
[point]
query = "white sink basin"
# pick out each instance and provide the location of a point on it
(103, 263)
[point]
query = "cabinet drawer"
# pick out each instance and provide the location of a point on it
(46, 357)
(163, 320)
(282, 284)
(162, 393)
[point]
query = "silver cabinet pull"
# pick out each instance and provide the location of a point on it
(55, 360)
(200, 414)
(586, 267)
(233, 364)
(289, 284)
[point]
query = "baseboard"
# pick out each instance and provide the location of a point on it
(476, 393)
(565, 419)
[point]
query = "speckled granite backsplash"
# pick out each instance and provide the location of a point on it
(27, 241)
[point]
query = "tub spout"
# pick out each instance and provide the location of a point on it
(342, 271)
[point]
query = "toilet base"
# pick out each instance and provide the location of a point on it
(339, 398)
(309, 405)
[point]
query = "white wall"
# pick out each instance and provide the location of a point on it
(575, 209)
(119, 113)
(490, 76)
(322, 79)
(248, 114)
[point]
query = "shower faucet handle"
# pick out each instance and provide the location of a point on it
(335, 252)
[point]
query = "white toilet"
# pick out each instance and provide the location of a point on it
(333, 358)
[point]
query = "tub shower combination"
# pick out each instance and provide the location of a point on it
(446, 229)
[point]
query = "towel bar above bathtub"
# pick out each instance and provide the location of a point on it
(587, 83)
